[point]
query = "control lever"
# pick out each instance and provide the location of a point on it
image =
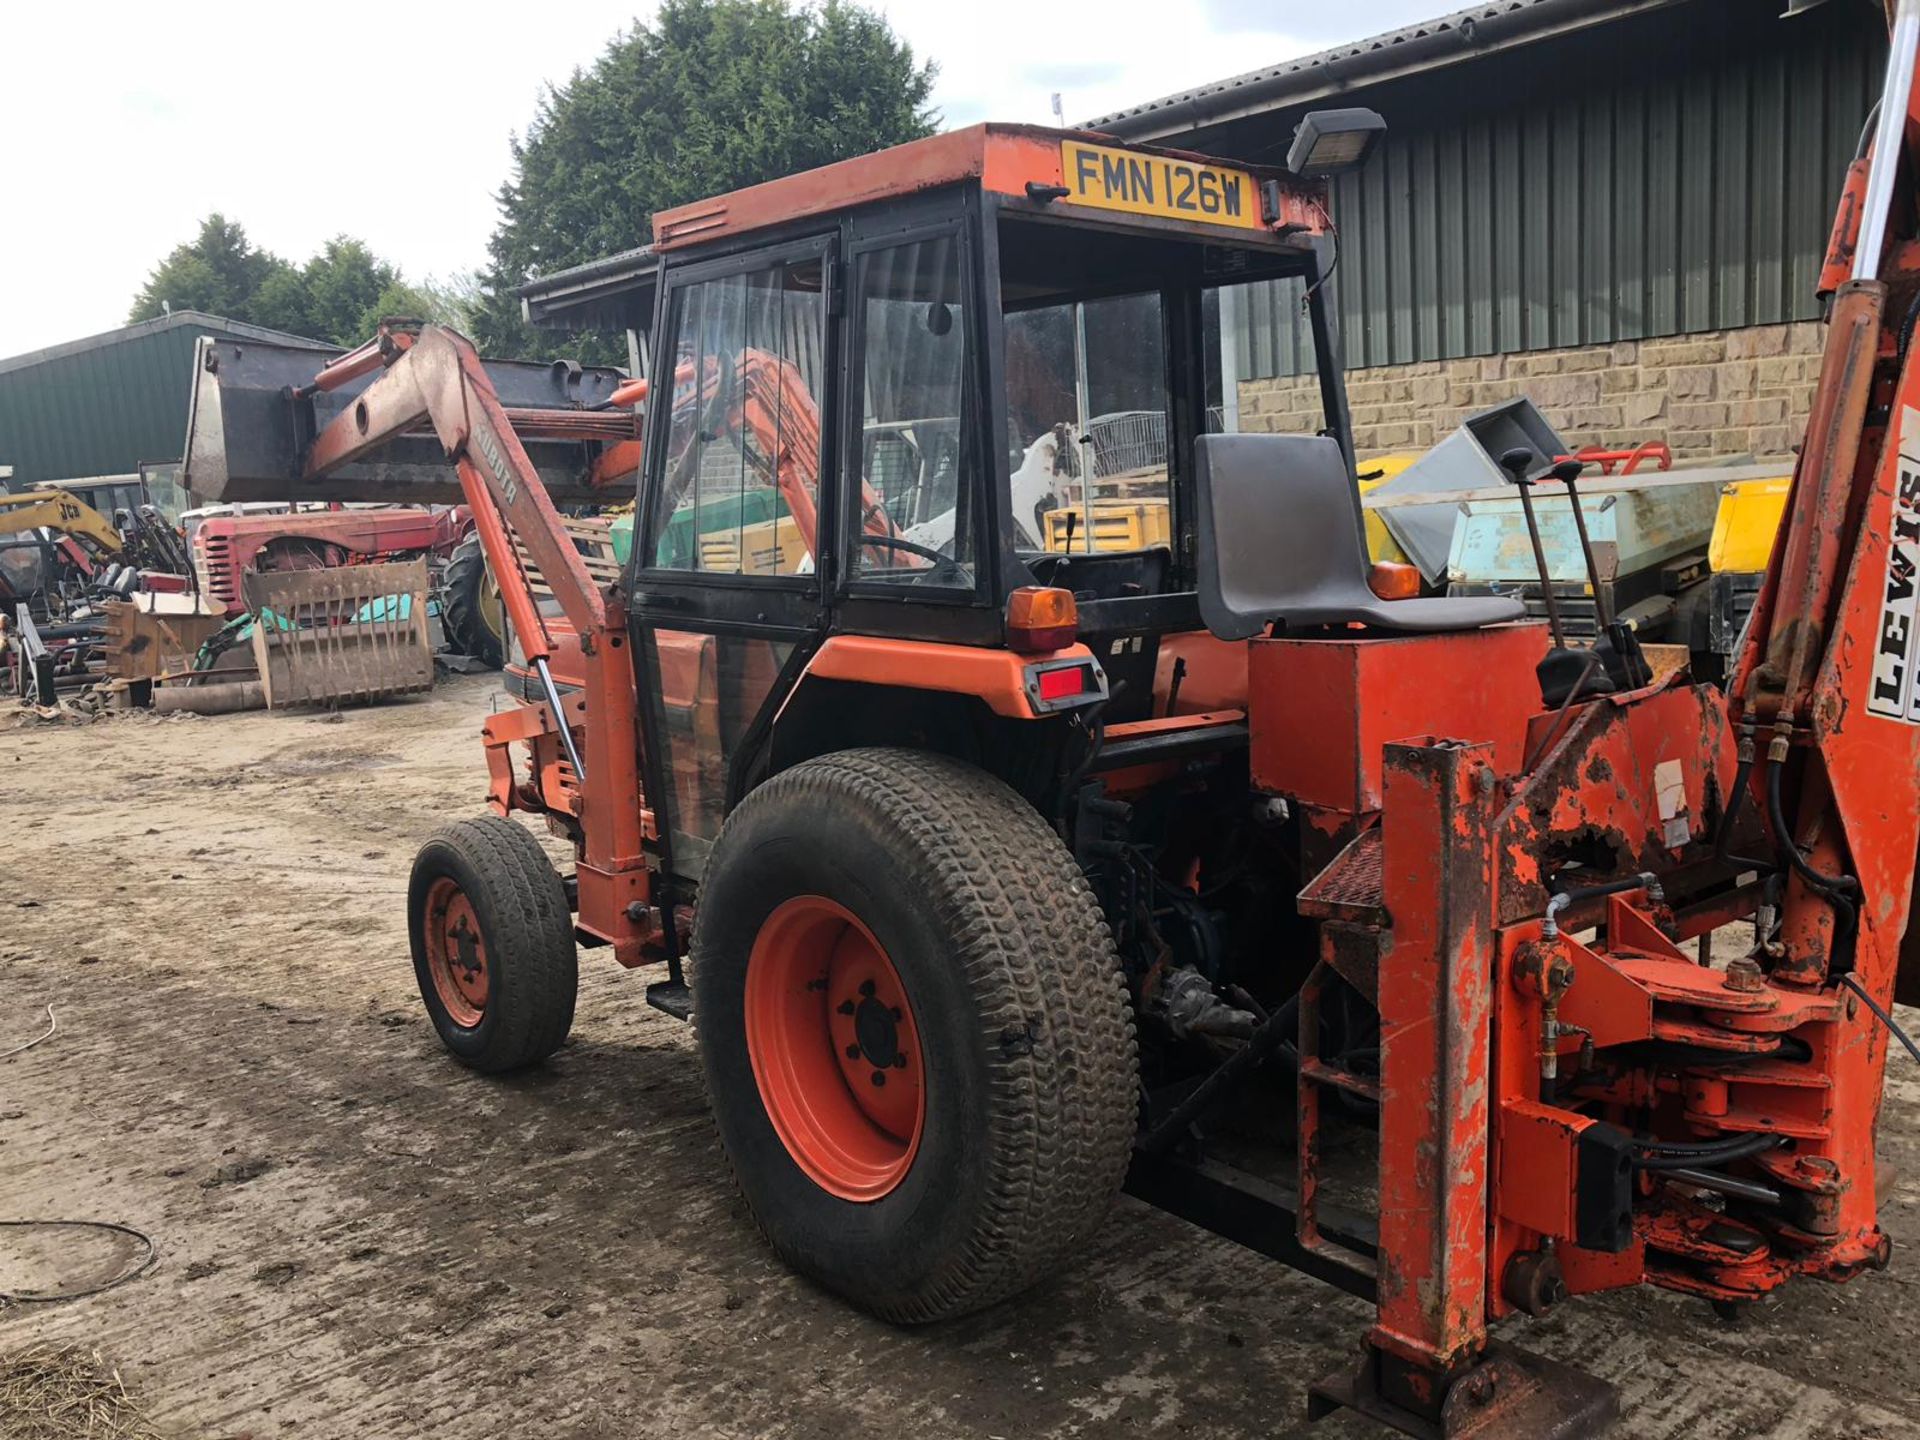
(1617, 645)
(1562, 670)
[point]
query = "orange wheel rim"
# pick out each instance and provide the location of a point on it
(456, 953)
(834, 1048)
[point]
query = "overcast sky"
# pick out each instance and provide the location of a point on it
(125, 123)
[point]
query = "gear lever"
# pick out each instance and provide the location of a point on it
(1614, 642)
(1562, 670)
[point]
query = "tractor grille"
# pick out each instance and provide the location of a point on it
(213, 561)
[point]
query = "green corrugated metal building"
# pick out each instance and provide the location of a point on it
(1648, 181)
(104, 405)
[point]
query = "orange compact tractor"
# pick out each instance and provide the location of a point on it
(1370, 932)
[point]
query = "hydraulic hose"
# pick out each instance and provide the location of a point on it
(1693, 1149)
(1833, 889)
(1852, 982)
(1728, 1185)
(1736, 801)
(1744, 1147)
(1566, 899)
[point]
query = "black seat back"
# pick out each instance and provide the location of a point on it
(1280, 530)
(1282, 543)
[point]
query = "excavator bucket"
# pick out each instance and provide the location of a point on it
(254, 410)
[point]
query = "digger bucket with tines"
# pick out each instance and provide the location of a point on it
(349, 635)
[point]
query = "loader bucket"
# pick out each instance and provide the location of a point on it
(247, 431)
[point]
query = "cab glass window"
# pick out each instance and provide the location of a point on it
(739, 491)
(1087, 419)
(913, 520)
(1262, 374)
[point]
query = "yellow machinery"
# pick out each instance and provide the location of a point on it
(1117, 525)
(1745, 524)
(62, 513)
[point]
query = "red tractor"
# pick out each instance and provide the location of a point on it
(225, 547)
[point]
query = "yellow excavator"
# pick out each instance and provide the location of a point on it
(61, 511)
(58, 556)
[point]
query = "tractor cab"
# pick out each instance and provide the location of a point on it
(960, 394)
(957, 368)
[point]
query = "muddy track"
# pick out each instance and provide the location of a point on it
(360, 1239)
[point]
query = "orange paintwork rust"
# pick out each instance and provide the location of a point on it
(1436, 1052)
(1001, 158)
(1837, 267)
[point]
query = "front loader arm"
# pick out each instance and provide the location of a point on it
(435, 376)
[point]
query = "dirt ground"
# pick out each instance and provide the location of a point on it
(357, 1238)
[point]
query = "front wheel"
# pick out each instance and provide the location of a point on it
(493, 947)
(913, 1029)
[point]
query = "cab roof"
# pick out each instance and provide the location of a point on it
(1026, 165)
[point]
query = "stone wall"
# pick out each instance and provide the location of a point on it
(1720, 394)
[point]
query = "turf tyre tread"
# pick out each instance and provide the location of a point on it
(1052, 1014)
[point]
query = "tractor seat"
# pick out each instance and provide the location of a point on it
(1281, 544)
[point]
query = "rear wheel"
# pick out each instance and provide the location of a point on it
(471, 608)
(913, 1029)
(493, 947)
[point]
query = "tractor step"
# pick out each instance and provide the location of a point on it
(1352, 886)
(672, 997)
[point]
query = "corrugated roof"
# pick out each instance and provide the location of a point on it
(1449, 39)
(202, 323)
(613, 292)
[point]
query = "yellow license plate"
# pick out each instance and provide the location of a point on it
(1109, 179)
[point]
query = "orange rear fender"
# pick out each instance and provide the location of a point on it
(1001, 678)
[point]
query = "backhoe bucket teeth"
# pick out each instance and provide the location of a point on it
(248, 430)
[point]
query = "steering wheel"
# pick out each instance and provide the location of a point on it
(941, 563)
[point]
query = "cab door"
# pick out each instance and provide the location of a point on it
(733, 549)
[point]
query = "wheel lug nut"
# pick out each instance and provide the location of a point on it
(866, 988)
(895, 1012)
(853, 1052)
(899, 1062)
(879, 1077)
(846, 1007)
